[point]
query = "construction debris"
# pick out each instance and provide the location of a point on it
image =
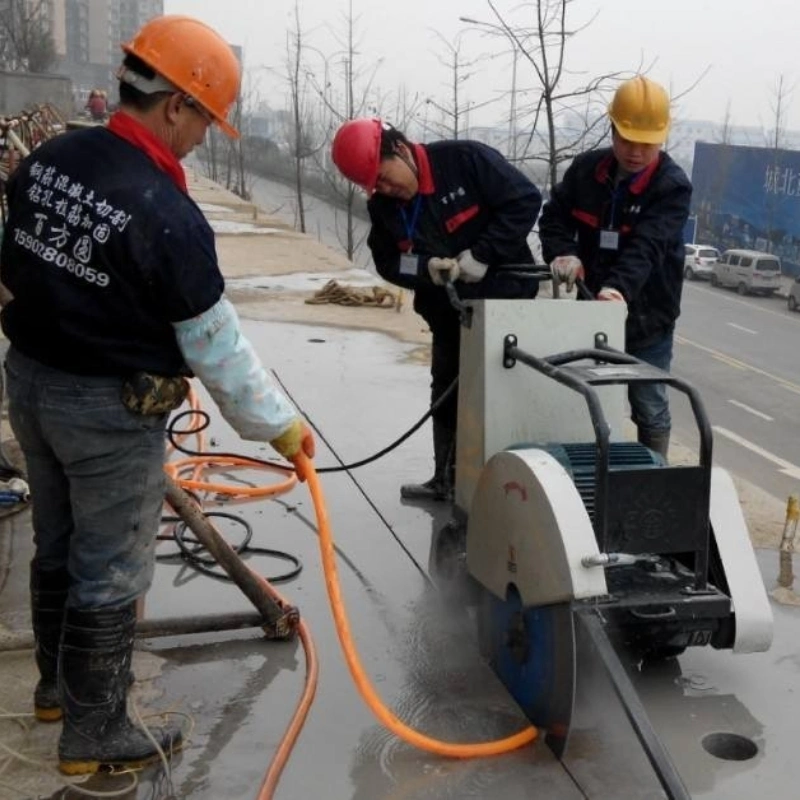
(377, 296)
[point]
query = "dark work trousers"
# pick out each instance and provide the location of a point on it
(445, 327)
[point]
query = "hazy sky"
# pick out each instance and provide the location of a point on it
(745, 45)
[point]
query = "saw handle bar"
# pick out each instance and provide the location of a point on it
(582, 381)
(537, 272)
(561, 367)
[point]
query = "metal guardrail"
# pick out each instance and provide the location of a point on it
(24, 132)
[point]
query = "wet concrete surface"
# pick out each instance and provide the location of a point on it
(361, 391)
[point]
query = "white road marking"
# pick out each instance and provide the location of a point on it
(785, 467)
(751, 410)
(742, 328)
(734, 362)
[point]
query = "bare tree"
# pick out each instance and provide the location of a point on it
(565, 114)
(26, 38)
(776, 141)
(488, 29)
(356, 96)
(301, 138)
(224, 160)
(455, 110)
(725, 135)
(776, 135)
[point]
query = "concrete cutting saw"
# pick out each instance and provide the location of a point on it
(569, 532)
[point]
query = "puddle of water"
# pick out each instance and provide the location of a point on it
(231, 226)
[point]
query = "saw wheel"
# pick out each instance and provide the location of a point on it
(527, 533)
(532, 650)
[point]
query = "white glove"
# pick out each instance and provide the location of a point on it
(470, 270)
(443, 270)
(567, 269)
(607, 293)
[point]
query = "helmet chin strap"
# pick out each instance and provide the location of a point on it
(408, 159)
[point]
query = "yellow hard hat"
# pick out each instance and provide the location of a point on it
(640, 111)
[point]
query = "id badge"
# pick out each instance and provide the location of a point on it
(609, 240)
(408, 264)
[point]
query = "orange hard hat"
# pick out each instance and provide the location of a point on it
(195, 59)
(356, 151)
(640, 111)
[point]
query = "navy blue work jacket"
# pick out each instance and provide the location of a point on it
(647, 213)
(102, 252)
(470, 198)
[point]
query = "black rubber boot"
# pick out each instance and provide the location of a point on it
(440, 487)
(94, 669)
(656, 440)
(49, 589)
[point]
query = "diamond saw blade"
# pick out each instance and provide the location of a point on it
(532, 650)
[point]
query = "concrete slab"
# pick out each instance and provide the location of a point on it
(361, 391)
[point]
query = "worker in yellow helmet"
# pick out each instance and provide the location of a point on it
(616, 220)
(117, 297)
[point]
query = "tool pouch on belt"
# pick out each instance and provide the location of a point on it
(149, 395)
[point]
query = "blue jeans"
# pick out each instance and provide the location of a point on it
(96, 474)
(649, 402)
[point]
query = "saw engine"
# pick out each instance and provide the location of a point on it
(570, 532)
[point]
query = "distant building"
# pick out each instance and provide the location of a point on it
(88, 34)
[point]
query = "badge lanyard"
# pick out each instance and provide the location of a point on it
(411, 225)
(609, 237)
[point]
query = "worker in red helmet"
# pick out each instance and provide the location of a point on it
(116, 298)
(445, 211)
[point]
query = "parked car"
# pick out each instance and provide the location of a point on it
(748, 271)
(699, 261)
(794, 295)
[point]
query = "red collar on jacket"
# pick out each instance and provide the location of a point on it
(638, 182)
(127, 128)
(424, 174)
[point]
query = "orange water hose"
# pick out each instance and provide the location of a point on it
(362, 681)
(175, 469)
(357, 671)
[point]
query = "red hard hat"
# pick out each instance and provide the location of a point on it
(356, 151)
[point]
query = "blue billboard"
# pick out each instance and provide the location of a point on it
(748, 197)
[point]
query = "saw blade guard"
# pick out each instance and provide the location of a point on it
(528, 528)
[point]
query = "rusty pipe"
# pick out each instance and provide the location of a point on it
(280, 619)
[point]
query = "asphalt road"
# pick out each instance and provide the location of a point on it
(742, 355)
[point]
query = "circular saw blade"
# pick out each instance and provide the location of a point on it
(532, 650)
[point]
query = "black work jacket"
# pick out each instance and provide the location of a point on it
(470, 198)
(648, 212)
(102, 252)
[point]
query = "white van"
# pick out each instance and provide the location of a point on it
(748, 271)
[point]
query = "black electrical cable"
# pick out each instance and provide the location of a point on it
(172, 434)
(200, 564)
(190, 549)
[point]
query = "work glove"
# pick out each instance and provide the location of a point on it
(607, 293)
(470, 269)
(443, 270)
(567, 269)
(296, 444)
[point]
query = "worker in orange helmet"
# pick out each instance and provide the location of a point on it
(616, 219)
(116, 298)
(445, 211)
